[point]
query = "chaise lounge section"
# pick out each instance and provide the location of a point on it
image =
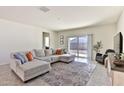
(30, 69)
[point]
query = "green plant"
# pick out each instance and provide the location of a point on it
(122, 56)
(98, 46)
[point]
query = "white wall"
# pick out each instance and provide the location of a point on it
(104, 33)
(18, 37)
(120, 26)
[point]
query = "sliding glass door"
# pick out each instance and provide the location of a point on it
(82, 46)
(73, 45)
(79, 46)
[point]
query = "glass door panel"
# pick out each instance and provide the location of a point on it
(78, 46)
(82, 46)
(73, 45)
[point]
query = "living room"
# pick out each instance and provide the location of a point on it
(33, 34)
(22, 28)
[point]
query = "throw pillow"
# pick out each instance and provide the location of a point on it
(64, 51)
(59, 51)
(20, 57)
(24, 56)
(39, 52)
(29, 56)
(53, 51)
(48, 52)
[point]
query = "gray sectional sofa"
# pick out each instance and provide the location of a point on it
(57, 58)
(40, 64)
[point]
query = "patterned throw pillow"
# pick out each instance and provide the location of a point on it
(20, 57)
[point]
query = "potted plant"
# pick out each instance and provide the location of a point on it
(122, 56)
(98, 46)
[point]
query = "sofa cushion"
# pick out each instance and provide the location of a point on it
(48, 52)
(32, 64)
(54, 58)
(39, 52)
(47, 59)
(30, 68)
(50, 59)
(33, 53)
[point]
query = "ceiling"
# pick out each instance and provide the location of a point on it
(59, 18)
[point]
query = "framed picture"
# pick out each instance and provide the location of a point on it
(61, 39)
(61, 42)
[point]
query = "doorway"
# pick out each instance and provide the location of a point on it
(46, 39)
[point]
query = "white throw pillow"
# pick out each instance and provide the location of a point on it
(48, 52)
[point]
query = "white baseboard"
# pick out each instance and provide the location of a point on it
(3, 63)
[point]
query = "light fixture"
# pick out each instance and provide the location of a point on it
(44, 9)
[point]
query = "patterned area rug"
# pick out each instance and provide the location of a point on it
(62, 74)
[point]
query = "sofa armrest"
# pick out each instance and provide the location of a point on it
(14, 63)
(104, 56)
(17, 61)
(99, 54)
